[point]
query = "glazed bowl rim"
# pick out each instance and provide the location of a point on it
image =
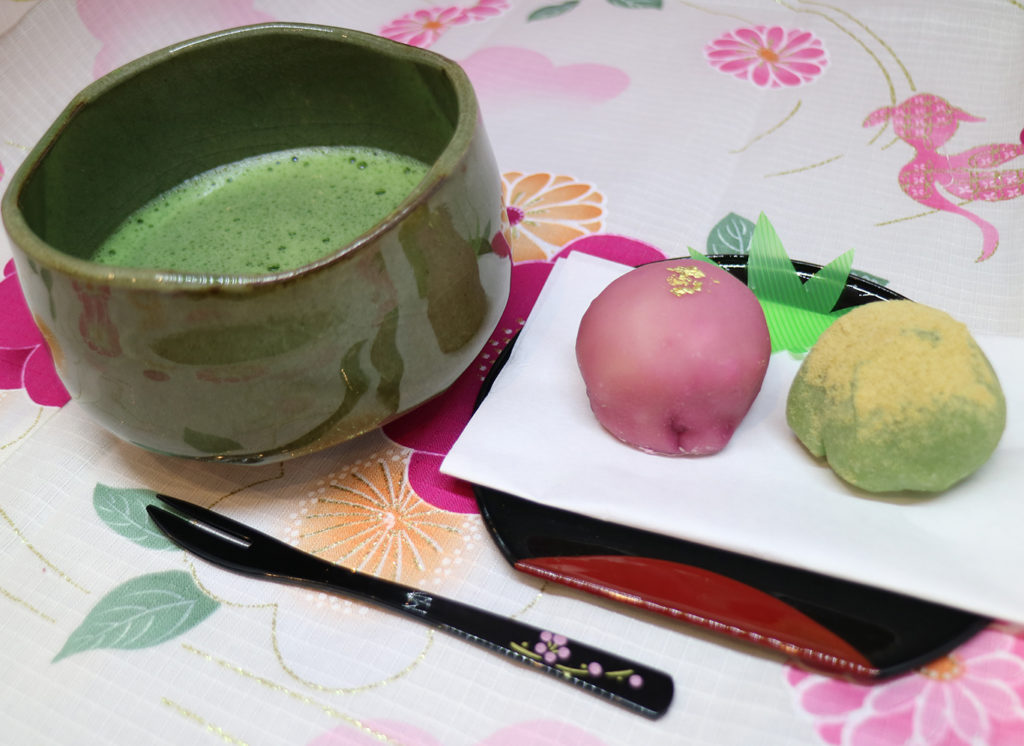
(144, 278)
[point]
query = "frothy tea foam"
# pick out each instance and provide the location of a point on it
(265, 214)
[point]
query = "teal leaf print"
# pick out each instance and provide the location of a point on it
(124, 510)
(731, 235)
(637, 3)
(551, 11)
(140, 613)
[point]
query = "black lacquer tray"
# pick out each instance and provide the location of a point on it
(826, 623)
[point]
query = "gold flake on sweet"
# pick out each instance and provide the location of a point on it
(685, 280)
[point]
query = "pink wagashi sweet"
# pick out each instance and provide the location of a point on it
(673, 354)
(926, 122)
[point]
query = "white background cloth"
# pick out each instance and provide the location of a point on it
(622, 100)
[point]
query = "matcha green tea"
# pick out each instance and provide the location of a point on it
(264, 214)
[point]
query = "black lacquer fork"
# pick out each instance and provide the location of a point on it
(238, 547)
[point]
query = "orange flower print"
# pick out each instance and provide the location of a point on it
(369, 519)
(545, 212)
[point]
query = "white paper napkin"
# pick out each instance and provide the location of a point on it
(764, 495)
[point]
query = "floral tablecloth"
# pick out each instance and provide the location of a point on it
(627, 129)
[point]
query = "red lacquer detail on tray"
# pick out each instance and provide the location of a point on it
(706, 599)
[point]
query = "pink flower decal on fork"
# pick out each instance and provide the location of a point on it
(553, 650)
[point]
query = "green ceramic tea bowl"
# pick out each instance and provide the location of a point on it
(253, 368)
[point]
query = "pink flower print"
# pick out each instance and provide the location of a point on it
(542, 733)
(504, 77)
(373, 733)
(974, 695)
(486, 9)
(769, 56)
(421, 28)
(25, 359)
(531, 733)
(138, 27)
(431, 429)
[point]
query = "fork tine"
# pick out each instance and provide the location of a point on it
(216, 520)
(210, 546)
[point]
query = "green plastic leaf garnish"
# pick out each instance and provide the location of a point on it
(140, 613)
(697, 256)
(797, 312)
(124, 510)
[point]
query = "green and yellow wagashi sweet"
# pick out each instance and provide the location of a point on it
(898, 396)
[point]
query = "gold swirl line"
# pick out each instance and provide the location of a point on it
(203, 722)
(904, 219)
(532, 602)
(279, 475)
(27, 605)
(872, 55)
(1016, 4)
(61, 574)
(275, 608)
(925, 214)
(867, 51)
(873, 35)
(409, 668)
(710, 12)
(819, 164)
(235, 604)
(881, 131)
(771, 130)
(39, 416)
(282, 689)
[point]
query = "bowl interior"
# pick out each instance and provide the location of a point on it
(181, 111)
